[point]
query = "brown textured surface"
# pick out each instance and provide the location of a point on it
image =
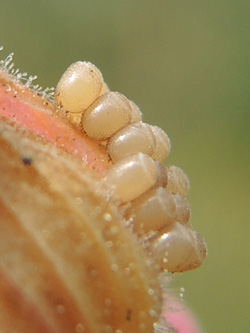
(66, 257)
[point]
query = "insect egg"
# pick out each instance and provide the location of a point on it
(183, 211)
(178, 182)
(132, 139)
(132, 176)
(179, 247)
(78, 87)
(163, 145)
(136, 113)
(153, 210)
(162, 175)
(105, 89)
(109, 113)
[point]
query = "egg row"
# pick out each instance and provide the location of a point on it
(158, 209)
(108, 115)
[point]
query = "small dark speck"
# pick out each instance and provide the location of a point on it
(27, 160)
(128, 314)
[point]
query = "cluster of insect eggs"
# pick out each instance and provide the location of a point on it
(158, 210)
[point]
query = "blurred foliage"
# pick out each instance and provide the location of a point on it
(186, 64)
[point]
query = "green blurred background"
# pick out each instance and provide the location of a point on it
(186, 64)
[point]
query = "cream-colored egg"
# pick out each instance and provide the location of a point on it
(134, 138)
(105, 89)
(132, 176)
(163, 145)
(179, 247)
(153, 210)
(178, 182)
(107, 115)
(183, 210)
(136, 113)
(79, 86)
(162, 175)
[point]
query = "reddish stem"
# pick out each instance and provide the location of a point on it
(28, 110)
